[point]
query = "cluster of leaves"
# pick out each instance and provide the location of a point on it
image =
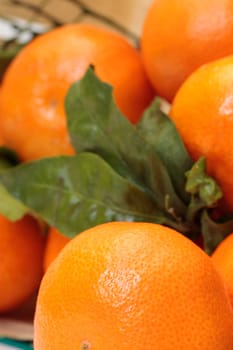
(121, 172)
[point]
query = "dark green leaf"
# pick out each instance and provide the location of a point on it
(75, 193)
(158, 130)
(214, 232)
(96, 125)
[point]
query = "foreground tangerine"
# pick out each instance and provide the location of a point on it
(126, 286)
(179, 36)
(223, 260)
(32, 117)
(21, 261)
(203, 114)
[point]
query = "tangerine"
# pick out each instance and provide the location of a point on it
(2, 142)
(127, 285)
(21, 256)
(56, 241)
(202, 111)
(178, 36)
(32, 95)
(223, 261)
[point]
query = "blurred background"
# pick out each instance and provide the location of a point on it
(125, 16)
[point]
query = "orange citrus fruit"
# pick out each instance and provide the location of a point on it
(32, 96)
(203, 114)
(179, 36)
(54, 244)
(2, 142)
(127, 285)
(223, 260)
(21, 261)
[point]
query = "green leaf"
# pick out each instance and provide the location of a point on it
(11, 207)
(158, 130)
(122, 172)
(214, 232)
(78, 192)
(96, 125)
